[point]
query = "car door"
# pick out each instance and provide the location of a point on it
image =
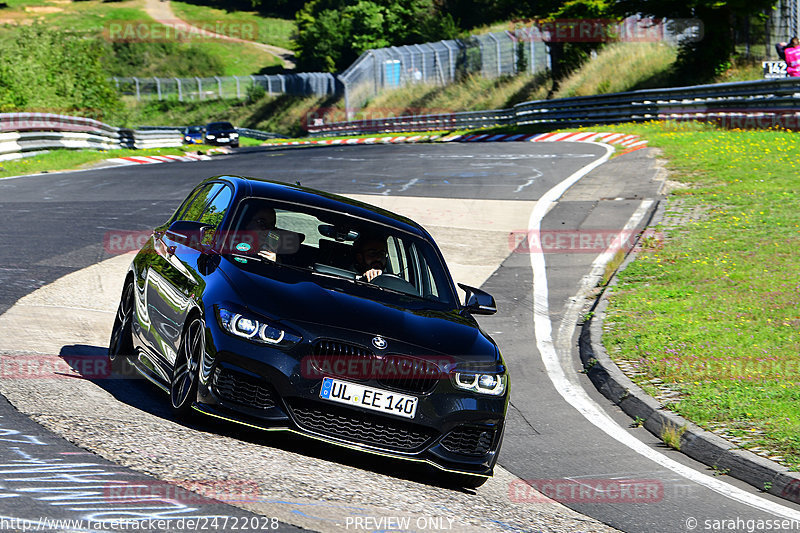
(173, 276)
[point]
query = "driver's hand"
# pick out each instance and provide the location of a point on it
(372, 274)
(270, 256)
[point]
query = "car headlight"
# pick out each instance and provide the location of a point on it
(254, 329)
(234, 135)
(492, 384)
(210, 137)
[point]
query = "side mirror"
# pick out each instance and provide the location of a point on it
(194, 234)
(477, 301)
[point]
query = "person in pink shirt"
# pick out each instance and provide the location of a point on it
(792, 54)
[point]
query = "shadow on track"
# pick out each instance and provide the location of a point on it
(134, 390)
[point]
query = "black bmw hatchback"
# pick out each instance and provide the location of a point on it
(221, 134)
(282, 307)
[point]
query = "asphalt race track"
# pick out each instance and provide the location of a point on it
(60, 277)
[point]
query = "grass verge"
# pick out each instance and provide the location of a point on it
(62, 160)
(711, 311)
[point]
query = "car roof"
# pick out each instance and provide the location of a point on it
(277, 190)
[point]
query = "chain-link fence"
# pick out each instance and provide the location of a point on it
(490, 55)
(306, 84)
(781, 24)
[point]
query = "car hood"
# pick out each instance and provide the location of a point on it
(323, 309)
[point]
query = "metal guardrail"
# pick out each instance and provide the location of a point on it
(258, 134)
(23, 134)
(442, 121)
(28, 134)
(157, 138)
(748, 104)
(243, 132)
(13, 144)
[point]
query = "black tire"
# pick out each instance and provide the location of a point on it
(120, 346)
(183, 386)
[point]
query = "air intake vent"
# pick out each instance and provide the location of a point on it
(469, 440)
(362, 428)
(242, 389)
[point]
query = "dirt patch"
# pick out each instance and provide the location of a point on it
(43, 10)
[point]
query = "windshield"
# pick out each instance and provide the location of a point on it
(220, 126)
(333, 245)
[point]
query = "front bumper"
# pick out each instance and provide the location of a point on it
(264, 387)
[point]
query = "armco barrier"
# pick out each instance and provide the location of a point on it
(157, 138)
(25, 142)
(749, 104)
(258, 134)
(51, 122)
(24, 134)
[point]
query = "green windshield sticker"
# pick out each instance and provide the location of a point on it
(240, 259)
(243, 247)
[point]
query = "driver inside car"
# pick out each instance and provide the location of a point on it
(261, 222)
(370, 256)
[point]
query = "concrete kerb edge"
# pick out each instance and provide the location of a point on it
(695, 442)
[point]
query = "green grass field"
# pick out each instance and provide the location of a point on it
(97, 17)
(239, 24)
(711, 311)
(58, 160)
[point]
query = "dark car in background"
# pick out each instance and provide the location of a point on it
(193, 134)
(247, 306)
(221, 134)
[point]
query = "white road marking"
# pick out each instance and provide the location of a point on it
(574, 394)
(409, 184)
(529, 182)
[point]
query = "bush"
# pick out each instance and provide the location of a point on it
(163, 59)
(255, 93)
(46, 69)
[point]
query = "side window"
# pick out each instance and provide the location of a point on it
(195, 209)
(430, 290)
(215, 211)
(397, 260)
(186, 203)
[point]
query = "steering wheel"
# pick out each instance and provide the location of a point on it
(396, 283)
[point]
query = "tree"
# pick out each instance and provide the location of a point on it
(704, 58)
(331, 34)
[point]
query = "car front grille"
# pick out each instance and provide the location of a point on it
(357, 427)
(469, 440)
(353, 362)
(409, 374)
(335, 358)
(243, 389)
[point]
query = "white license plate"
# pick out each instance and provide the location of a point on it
(381, 400)
(223, 140)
